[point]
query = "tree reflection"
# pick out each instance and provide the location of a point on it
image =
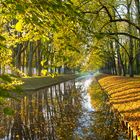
(49, 114)
(105, 123)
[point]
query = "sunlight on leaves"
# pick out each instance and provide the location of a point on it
(19, 26)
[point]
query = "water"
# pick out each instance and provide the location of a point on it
(60, 112)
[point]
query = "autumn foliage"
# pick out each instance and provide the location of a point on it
(124, 95)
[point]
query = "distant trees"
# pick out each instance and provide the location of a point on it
(116, 24)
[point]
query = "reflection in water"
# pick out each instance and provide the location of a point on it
(60, 112)
(47, 114)
(83, 130)
(104, 122)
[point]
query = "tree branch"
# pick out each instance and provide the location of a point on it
(122, 46)
(126, 20)
(123, 33)
(116, 33)
(92, 12)
(118, 20)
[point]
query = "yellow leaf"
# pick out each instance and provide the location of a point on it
(18, 26)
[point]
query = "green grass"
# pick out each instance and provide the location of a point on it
(39, 82)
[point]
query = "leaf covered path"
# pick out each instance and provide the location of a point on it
(124, 94)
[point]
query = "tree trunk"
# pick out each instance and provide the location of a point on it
(131, 70)
(137, 4)
(39, 58)
(30, 59)
(118, 59)
(18, 56)
(23, 61)
(113, 58)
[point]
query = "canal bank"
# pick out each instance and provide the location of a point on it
(109, 125)
(36, 83)
(124, 97)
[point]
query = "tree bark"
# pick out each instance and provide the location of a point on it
(39, 58)
(131, 47)
(137, 4)
(30, 59)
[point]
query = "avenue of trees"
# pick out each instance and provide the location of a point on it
(41, 37)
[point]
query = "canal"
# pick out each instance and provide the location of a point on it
(60, 112)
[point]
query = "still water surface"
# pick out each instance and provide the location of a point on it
(59, 112)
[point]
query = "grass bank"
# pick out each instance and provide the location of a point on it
(124, 94)
(35, 83)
